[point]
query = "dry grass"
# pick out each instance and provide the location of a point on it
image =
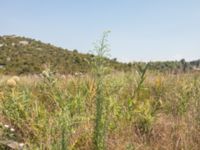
(164, 115)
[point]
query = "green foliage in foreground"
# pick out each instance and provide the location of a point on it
(59, 113)
(101, 102)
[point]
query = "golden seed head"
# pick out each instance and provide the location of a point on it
(11, 83)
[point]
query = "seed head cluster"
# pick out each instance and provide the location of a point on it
(12, 82)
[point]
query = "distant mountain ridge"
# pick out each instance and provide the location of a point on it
(21, 55)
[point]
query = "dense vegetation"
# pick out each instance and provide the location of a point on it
(142, 108)
(20, 55)
(161, 112)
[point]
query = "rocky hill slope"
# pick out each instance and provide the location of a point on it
(20, 55)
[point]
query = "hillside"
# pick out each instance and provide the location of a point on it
(20, 55)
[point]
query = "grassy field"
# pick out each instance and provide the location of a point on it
(150, 111)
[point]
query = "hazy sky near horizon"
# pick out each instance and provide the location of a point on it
(141, 30)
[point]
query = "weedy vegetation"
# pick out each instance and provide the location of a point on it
(105, 109)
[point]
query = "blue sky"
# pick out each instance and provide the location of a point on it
(141, 30)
